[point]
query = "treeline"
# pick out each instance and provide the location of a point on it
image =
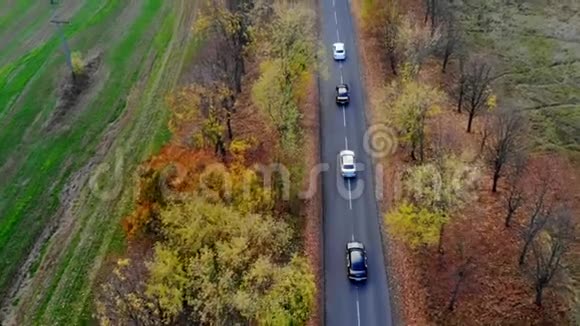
(212, 241)
(438, 180)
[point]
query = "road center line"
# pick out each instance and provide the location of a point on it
(352, 237)
(335, 18)
(337, 36)
(350, 201)
(357, 309)
(346, 142)
(333, 3)
(343, 116)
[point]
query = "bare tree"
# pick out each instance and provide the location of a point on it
(505, 144)
(485, 133)
(391, 39)
(549, 250)
(476, 88)
(451, 38)
(435, 10)
(515, 196)
(539, 216)
(461, 276)
(227, 37)
(461, 84)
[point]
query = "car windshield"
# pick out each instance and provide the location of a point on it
(339, 51)
(348, 166)
(357, 260)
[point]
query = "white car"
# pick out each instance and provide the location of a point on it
(347, 164)
(338, 51)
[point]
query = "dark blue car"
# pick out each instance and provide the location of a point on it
(356, 261)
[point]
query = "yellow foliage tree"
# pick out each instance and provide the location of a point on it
(415, 226)
(433, 193)
(78, 63)
(411, 103)
(209, 108)
(223, 267)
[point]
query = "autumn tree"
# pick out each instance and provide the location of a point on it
(237, 186)
(411, 103)
(150, 198)
(433, 192)
(289, 48)
(226, 28)
(415, 42)
(415, 226)
(389, 32)
(442, 186)
(505, 146)
(121, 298)
(549, 249)
(207, 109)
(217, 266)
(403, 41)
(476, 84)
(78, 64)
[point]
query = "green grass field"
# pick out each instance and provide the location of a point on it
(536, 48)
(118, 122)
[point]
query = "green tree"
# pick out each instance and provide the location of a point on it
(411, 104)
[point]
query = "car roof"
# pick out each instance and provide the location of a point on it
(354, 245)
(357, 258)
(347, 159)
(339, 46)
(346, 152)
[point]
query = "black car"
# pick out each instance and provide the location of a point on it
(356, 261)
(342, 95)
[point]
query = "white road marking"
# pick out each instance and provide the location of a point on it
(337, 36)
(335, 18)
(349, 198)
(357, 309)
(346, 142)
(352, 237)
(333, 3)
(343, 116)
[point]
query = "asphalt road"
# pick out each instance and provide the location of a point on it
(350, 208)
